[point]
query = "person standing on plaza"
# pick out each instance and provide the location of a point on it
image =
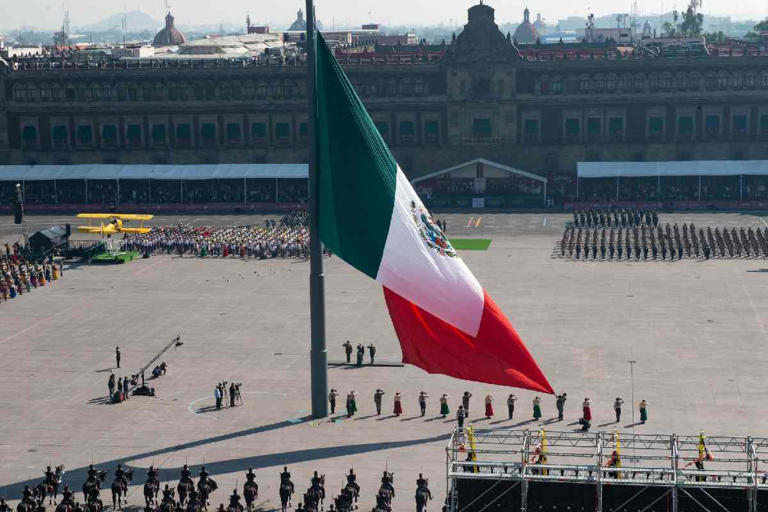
(217, 396)
(351, 404)
(489, 406)
(461, 413)
(348, 350)
(511, 399)
(617, 408)
(332, 399)
(126, 385)
(377, 396)
(398, 404)
(231, 394)
(444, 410)
(111, 385)
(372, 352)
(360, 354)
(117, 356)
(423, 402)
(643, 412)
(560, 404)
(465, 401)
(536, 408)
(120, 388)
(587, 409)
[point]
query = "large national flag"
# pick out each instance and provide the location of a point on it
(371, 217)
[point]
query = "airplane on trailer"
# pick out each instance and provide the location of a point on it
(115, 225)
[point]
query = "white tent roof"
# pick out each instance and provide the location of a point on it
(155, 172)
(483, 161)
(680, 168)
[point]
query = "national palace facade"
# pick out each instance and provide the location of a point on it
(540, 110)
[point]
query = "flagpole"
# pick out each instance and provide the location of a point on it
(318, 352)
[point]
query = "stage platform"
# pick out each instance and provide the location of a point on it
(605, 471)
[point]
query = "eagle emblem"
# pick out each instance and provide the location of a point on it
(430, 233)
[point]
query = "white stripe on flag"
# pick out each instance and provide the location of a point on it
(438, 283)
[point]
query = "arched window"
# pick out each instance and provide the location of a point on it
(722, 81)
(639, 82)
(610, 83)
(20, 92)
(653, 82)
(95, 92)
(709, 81)
(693, 81)
(665, 81)
(557, 85)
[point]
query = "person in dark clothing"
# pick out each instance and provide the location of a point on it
(117, 356)
(231, 395)
(372, 352)
(126, 384)
(111, 385)
(360, 354)
(348, 351)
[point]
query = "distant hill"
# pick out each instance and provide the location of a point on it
(135, 21)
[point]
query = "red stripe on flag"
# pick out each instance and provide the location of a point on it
(496, 355)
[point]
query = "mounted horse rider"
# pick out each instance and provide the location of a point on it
(387, 480)
(3, 506)
(317, 484)
(92, 472)
(27, 496)
(152, 475)
(234, 502)
(186, 474)
(50, 476)
(204, 479)
(168, 496)
(66, 496)
(423, 494)
(422, 482)
(120, 475)
(352, 480)
(285, 478)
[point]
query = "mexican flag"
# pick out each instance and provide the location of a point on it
(371, 217)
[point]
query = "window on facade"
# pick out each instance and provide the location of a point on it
(20, 93)
(685, 126)
(109, 135)
(709, 82)
(764, 124)
(282, 133)
(739, 125)
(383, 128)
(572, 128)
(594, 127)
(431, 132)
(45, 93)
(183, 134)
(656, 127)
(749, 81)
(234, 133)
(481, 128)
(616, 127)
(407, 132)
(208, 134)
(133, 134)
(29, 135)
(259, 133)
(85, 135)
(722, 82)
(157, 133)
(610, 84)
(303, 131)
(60, 135)
(557, 86)
(712, 126)
(531, 130)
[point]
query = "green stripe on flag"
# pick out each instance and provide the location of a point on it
(356, 171)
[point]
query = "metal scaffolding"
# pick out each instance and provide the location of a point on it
(708, 473)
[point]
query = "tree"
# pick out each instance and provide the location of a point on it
(692, 23)
(716, 37)
(754, 35)
(670, 29)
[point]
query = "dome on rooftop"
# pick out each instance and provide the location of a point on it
(170, 35)
(299, 24)
(526, 33)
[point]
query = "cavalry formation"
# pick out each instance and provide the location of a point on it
(196, 497)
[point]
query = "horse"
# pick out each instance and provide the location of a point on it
(185, 488)
(386, 494)
(312, 500)
(120, 489)
(26, 506)
(151, 488)
(383, 503)
(51, 488)
(193, 505)
(250, 493)
(286, 491)
(205, 488)
(65, 507)
(93, 483)
(94, 503)
(422, 497)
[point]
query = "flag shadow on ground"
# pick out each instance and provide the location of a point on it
(75, 477)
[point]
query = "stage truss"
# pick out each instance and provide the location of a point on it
(683, 472)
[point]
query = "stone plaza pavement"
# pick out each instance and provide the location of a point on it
(696, 329)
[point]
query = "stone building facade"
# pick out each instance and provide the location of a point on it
(479, 99)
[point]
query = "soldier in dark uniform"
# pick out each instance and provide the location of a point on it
(92, 472)
(285, 477)
(372, 352)
(315, 482)
(26, 495)
(377, 396)
(465, 402)
(360, 354)
(185, 473)
(120, 474)
(66, 496)
(3, 506)
(168, 494)
(234, 500)
(49, 475)
(152, 474)
(352, 480)
(348, 350)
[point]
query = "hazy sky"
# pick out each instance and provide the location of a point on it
(46, 14)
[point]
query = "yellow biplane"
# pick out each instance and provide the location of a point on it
(115, 224)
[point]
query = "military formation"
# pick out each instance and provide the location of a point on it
(196, 497)
(637, 235)
(19, 276)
